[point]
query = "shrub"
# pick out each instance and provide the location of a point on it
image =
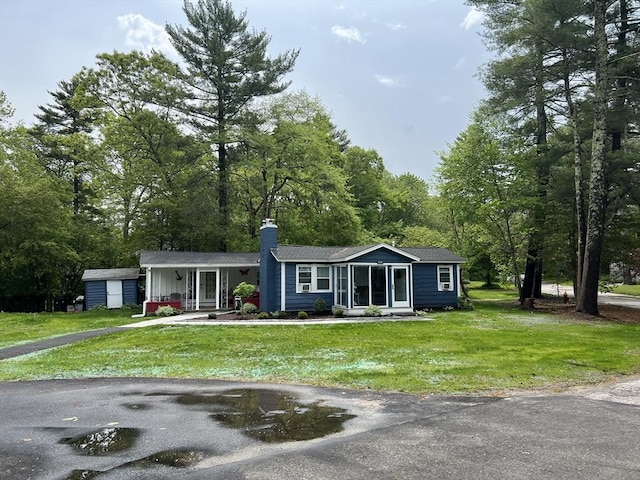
(244, 289)
(99, 307)
(166, 311)
(262, 315)
(279, 314)
(319, 305)
(212, 315)
(464, 303)
(302, 315)
(248, 308)
(338, 313)
(373, 311)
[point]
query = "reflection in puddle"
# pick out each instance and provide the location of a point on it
(104, 441)
(168, 458)
(271, 416)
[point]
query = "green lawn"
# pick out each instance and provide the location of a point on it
(489, 349)
(627, 290)
(18, 328)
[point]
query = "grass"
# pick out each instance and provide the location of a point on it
(491, 348)
(19, 328)
(627, 290)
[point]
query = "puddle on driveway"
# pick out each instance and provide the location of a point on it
(270, 416)
(168, 458)
(104, 441)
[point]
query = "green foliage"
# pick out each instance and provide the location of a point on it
(302, 315)
(262, 316)
(167, 311)
(465, 303)
(248, 308)
(338, 313)
(319, 305)
(279, 314)
(98, 307)
(373, 311)
(244, 290)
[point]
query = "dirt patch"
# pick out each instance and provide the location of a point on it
(608, 313)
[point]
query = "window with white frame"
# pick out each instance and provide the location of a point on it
(313, 278)
(445, 278)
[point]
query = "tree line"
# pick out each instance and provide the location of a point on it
(546, 177)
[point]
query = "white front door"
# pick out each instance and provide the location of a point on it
(208, 288)
(400, 287)
(114, 293)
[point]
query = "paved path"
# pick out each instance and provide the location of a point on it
(605, 298)
(48, 430)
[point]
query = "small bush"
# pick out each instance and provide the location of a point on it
(373, 311)
(131, 306)
(248, 308)
(302, 315)
(338, 313)
(244, 289)
(464, 303)
(278, 314)
(99, 307)
(262, 315)
(166, 311)
(319, 305)
(212, 316)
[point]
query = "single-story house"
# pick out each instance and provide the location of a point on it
(292, 278)
(112, 287)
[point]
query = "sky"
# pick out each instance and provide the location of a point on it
(400, 76)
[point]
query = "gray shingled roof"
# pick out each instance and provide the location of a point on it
(204, 259)
(434, 254)
(111, 274)
(292, 253)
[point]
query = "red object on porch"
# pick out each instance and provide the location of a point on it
(254, 298)
(153, 306)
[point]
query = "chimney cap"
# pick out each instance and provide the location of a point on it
(268, 222)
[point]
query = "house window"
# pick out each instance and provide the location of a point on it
(313, 278)
(445, 278)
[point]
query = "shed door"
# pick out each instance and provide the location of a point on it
(114, 293)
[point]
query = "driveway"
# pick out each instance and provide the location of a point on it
(173, 429)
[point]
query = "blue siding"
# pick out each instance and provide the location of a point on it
(95, 293)
(387, 256)
(268, 278)
(130, 292)
(301, 301)
(425, 288)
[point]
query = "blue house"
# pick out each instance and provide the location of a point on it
(111, 287)
(292, 278)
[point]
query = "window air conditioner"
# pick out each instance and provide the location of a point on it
(446, 286)
(306, 287)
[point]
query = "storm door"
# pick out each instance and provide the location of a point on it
(400, 287)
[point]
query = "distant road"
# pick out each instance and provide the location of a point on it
(603, 298)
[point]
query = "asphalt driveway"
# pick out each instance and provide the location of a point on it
(172, 429)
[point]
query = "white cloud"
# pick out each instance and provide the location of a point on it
(350, 34)
(474, 17)
(461, 63)
(387, 81)
(396, 26)
(142, 34)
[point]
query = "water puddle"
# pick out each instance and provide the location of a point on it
(270, 416)
(104, 441)
(168, 458)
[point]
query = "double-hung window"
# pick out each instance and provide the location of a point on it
(445, 278)
(313, 278)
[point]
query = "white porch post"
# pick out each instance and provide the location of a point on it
(147, 286)
(458, 273)
(197, 287)
(218, 290)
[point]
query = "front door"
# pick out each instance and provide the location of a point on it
(114, 293)
(208, 288)
(400, 287)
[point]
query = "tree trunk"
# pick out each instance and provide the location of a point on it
(588, 299)
(223, 196)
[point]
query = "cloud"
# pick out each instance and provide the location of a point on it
(350, 34)
(396, 26)
(142, 34)
(461, 63)
(474, 17)
(387, 81)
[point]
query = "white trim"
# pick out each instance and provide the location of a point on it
(441, 285)
(283, 287)
(313, 286)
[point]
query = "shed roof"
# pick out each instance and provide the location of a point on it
(111, 274)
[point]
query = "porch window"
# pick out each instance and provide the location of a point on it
(445, 278)
(313, 278)
(343, 284)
